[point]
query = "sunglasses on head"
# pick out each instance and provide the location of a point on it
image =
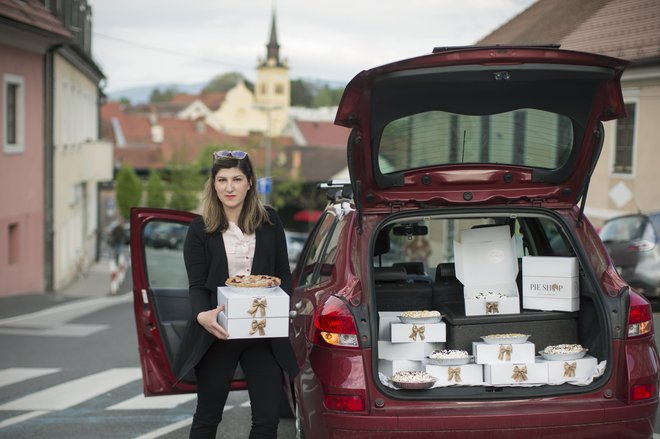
(230, 154)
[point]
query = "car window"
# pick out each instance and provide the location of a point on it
(330, 255)
(163, 243)
(622, 229)
(526, 137)
(314, 251)
(556, 240)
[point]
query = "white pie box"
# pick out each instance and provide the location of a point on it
(267, 327)
(486, 353)
(516, 373)
(469, 374)
(485, 261)
(406, 351)
(432, 332)
(550, 283)
(241, 303)
(385, 320)
(390, 367)
(559, 371)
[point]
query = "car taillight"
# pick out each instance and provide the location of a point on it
(641, 245)
(335, 325)
(640, 316)
(643, 391)
(347, 403)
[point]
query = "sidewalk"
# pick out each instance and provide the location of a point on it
(103, 278)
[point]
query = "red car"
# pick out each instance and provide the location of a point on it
(454, 287)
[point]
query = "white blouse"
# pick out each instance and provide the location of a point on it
(240, 250)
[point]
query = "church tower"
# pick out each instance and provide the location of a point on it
(273, 88)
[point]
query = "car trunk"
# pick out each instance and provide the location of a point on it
(411, 277)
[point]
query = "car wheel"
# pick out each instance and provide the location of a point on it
(300, 433)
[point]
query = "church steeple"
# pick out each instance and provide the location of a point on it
(273, 47)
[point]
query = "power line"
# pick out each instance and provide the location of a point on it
(168, 51)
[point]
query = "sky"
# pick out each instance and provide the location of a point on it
(146, 42)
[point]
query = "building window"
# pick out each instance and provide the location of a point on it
(625, 140)
(279, 89)
(14, 114)
(12, 257)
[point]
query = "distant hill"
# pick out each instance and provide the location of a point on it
(139, 95)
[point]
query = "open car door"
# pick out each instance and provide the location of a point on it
(160, 297)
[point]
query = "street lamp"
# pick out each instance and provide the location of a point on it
(268, 141)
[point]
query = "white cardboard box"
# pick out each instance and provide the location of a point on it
(503, 305)
(273, 302)
(390, 367)
(569, 370)
(406, 351)
(550, 283)
(485, 353)
(516, 373)
(485, 261)
(465, 375)
(267, 327)
(409, 333)
(385, 319)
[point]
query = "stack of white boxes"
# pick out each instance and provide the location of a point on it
(510, 363)
(462, 375)
(403, 346)
(486, 263)
(254, 312)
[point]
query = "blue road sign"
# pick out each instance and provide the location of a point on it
(265, 185)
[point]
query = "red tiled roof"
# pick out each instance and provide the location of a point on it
(213, 100)
(628, 29)
(322, 133)
(34, 14)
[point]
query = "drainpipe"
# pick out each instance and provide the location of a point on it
(49, 165)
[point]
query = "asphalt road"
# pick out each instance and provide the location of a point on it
(72, 372)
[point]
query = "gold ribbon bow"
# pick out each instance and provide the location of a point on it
(505, 349)
(492, 307)
(454, 373)
(519, 374)
(569, 369)
(417, 330)
(258, 305)
(258, 326)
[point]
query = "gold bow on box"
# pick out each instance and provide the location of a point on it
(258, 326)
(569, 369)
(492, 307)
(505, 350)
(519, 374)
(454, 373)
(258, 304)
(417, 330)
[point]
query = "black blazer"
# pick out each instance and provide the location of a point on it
(206, 264)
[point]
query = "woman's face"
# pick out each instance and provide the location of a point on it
(232, 186)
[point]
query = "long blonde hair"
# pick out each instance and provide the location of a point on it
(253, 214)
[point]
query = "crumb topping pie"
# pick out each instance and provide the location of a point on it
(253, 281)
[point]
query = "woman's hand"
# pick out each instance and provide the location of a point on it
(209, 320)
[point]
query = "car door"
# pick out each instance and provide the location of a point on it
(160, 301)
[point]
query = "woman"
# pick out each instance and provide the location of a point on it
(235, 235)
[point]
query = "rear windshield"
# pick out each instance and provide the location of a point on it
(524, 137)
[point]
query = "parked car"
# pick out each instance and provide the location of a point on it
(633, 242)
(458, 143)
(169, 235)
(294, 243)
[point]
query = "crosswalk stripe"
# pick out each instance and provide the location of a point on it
(17, 374)
(140, 402)
(21, 418)
(74, 392)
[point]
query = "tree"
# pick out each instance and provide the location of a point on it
(225, 82)
(327, 97)
(155, 190)
(301, 93)
(165, 96)
(128, 190)
(185, 183)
